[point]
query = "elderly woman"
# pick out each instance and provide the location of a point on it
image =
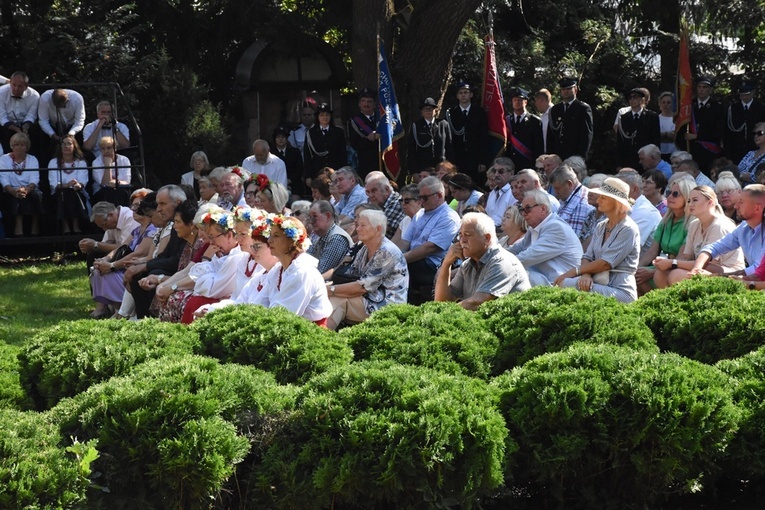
(513, 226)
(270, 196)
(107, 278)
(752, 159)
(708, 226)
(654, 184)
(199, 164)
(410, 203)
(22, 186)
(261, 253)
(728, 191)
(68, 176)
(596, 216)
(111, 174)
(331, 242)
(207, 191)
(609, 264)
(383, 277)
(670, 234)
(294, 283)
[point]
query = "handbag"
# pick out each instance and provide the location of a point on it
(121, 252)
(345, 274)
(601, 278)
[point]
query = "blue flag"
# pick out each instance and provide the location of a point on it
(389, 127)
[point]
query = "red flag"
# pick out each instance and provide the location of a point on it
(684, 85)
(492, 102)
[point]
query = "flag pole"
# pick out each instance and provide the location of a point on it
(377, 65)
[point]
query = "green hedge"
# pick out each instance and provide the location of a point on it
(706, 319)
(35, 472)
(12, 395)
(441, 336)
(272, 339)
(549, 319)
(168, 431)
(382, 435)
(601, 426)
(67, 359)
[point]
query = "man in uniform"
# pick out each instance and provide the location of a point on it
(741, 117)
(569, 132)
(636, 128)
(705, 143)
(469, 133)
(362, 134)
(429, 140)
(324, 145)
(524, 131)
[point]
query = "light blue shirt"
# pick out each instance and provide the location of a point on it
(749, 239)
(438, 226)
(350, 201)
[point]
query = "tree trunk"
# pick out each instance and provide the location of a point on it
(375, 14)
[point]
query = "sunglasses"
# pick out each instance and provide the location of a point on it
(408, 200)
(423, 198)
(759, 133)
(527, 209)
(675, 194)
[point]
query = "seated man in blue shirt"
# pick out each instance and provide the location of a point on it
(487, 272)
(429, 236)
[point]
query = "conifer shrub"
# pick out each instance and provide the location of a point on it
(601, 426)
(12, 395)
(272, 339)
(549, 319)
(383, 435)
(66, 359)
(745, 461)
(442, 336)
(706, 319)
(168, 432)
(35, 471)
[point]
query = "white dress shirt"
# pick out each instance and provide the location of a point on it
(90, 127)
(18, 111)
(274, 168)
(72, 114)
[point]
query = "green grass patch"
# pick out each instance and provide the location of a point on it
(36, 297)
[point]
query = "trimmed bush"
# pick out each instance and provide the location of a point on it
(549, 319)
(746, 461)
(381, 435)
(706, 319)
(167, 432)
(273, 339)
(12, 395)
(601, 426)
(442, 336)
(35, 472)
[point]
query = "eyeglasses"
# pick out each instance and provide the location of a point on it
(675, 194)
(423, 198)
(759, 133)
(527, 209)
(256, 246)
(502, 171)
(250, 194)
(407, 200)
(216, 237)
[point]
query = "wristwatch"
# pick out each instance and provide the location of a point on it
(332, 289)
(111, 266)
(674, 263)
(174, 287)
(752, 286)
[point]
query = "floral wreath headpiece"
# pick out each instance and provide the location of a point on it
(291, 229)
(219, 216)
(261, 181)
(261, 227)
(239, 172)
(244, 213)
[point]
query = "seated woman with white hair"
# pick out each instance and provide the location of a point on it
(383, 276)
(611, 260)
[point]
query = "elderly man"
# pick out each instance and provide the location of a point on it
(347, 183)
(550, 246)
(573, 195)
(689, 166)
(333, 242)
(105, 125)
(61, 112)
(230, 191)
(18, 108)
(528, 179)
(650, 159)
(487, 271)
(263, 162)
(643, 212)
(500, 197)
(428, 237)
(383, 275)
(748, 235)
(165, 263)
(117, 222)
(380, 193)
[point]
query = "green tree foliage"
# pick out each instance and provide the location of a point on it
(381, 435)
(441, 336)
(69, 358)
(167, 432)
(601, 426)
(548, 319)
(707, 319)
(272, 339)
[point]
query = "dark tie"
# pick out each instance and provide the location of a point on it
(636, 117)
(746, 107)
(324, 130)
(517, 120)
(281, 154)
(565, 107)
(701, 105)
(465, 113)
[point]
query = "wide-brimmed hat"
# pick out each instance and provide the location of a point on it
(428, 101)
(615, 188)
(462, 181)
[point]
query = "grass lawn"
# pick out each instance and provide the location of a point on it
(35, 297)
